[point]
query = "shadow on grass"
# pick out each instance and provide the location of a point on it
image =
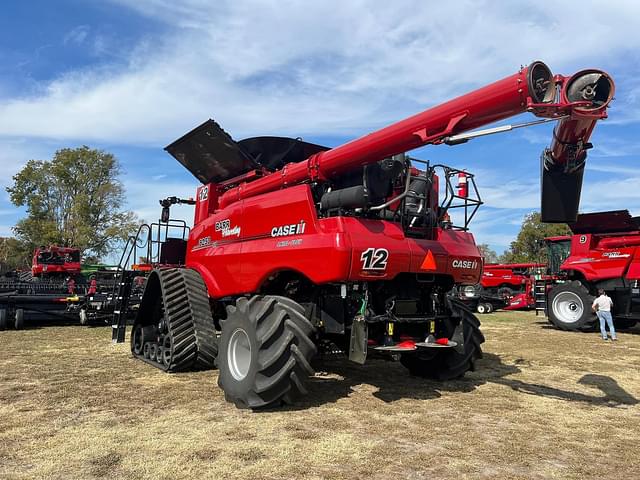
(393, 383)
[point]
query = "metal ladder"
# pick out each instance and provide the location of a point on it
(121, 304)
(122, 289)
(540, 296)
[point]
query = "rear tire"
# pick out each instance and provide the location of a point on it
(505, 292)
(449, 364)
(19, 319)
(623, 323)
(265, 352)
(569, 306)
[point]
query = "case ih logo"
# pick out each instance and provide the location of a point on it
(284, 230)
(470, 264)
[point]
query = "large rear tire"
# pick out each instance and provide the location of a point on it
(265, 352)
(569, 306)
(450, 363)
(624, 323)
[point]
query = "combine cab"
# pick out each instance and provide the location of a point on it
(603, 252)
(296, 246)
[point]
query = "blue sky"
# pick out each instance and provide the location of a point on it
(131, 77)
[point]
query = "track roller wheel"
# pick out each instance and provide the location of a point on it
(19, 319)
(153, 348)
(450, 363)
(265, 351)
(175, 316)
(570, 306)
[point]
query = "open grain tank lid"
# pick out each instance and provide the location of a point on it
(212, 156)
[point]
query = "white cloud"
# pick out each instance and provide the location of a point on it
(77, 35)
(310, 68)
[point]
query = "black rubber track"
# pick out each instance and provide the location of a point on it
(282, 346)
(188, 332)
(448, 364)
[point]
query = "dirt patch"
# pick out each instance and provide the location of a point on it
(541, 404)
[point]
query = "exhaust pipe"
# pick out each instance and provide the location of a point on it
(562, 163)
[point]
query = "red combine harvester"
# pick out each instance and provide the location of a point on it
(53, 261)
(296, 245)
(603, 252)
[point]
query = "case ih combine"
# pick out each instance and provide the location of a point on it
(295, 244)
(603, 252)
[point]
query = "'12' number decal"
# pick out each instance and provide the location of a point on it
(374, 259)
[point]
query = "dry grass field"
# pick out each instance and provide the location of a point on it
(542, 404)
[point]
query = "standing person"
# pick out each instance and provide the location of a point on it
(602, 306)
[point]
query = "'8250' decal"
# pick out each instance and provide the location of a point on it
(374, 259)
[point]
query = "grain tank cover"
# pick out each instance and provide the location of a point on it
(210, 154)
(605, 222)
(275, 152)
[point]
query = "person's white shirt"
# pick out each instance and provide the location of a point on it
(603, 303)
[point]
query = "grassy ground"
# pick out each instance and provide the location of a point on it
(542, 404)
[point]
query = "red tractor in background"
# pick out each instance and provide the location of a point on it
(603, 252)
(55, 262)
(296, 245)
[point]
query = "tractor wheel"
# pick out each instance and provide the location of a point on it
(3, 319)
(450, 363)
(489, 307)
(624, 323)
(481, 308)
(175, 309)
(505, 292)
(570, 306)
(19, 319)
(265, 352)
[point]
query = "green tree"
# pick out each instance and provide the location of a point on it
(529, 245)
(74, 199)
(13, 255)
(489, 255)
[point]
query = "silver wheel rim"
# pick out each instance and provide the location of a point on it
(568, 307)
(239, 354)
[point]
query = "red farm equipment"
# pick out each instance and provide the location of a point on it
(296, 245)
(53, 288)
(55, 262)
(508, 286)
(603, 252)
